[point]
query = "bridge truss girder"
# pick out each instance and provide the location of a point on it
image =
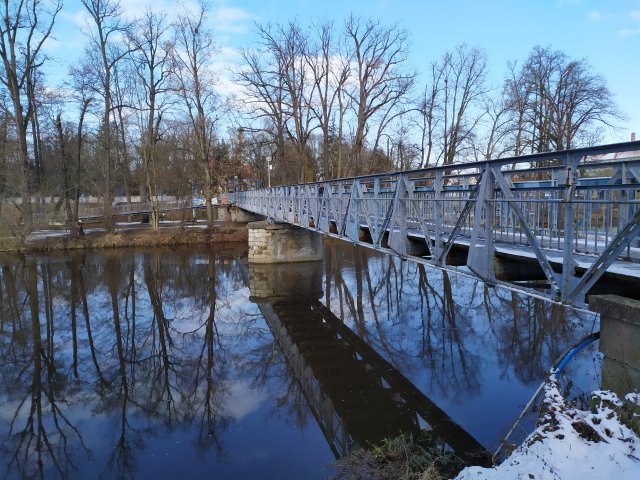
(558, 207)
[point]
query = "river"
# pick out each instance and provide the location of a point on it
(169, 363)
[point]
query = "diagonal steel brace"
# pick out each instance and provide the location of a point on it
(533, 241)
(622, 240)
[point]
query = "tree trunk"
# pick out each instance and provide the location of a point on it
(72, 222)
(76, 177)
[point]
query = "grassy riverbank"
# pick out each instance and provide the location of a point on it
(139, 237)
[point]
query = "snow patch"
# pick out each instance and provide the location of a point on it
(572, 444)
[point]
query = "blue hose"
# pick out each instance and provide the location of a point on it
(569, 354)
(557, 366)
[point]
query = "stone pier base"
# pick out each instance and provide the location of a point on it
(273, 282)
(619, 341)
(282, 243)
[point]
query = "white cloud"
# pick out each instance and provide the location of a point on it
(133, 9)
(229, 54)
(629, 32)
(230, 19)
(635, 15)
(231, 14)
(595, 16)
(80, 19)
(51, 45)
(222, 18)
(243, 400)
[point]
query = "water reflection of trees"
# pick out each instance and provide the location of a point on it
(40, 433)
(149, 342)
(418, 317)
(264, 363)
(134, 339)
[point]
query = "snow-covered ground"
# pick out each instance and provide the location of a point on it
(572, 444)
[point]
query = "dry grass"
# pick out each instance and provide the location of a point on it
(400, 458)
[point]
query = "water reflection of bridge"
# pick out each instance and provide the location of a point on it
(356, 396)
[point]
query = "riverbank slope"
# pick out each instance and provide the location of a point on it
(48, 241)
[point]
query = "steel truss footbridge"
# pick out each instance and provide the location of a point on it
(575, 213)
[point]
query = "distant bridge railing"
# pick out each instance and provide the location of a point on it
(133, 208)
(577, 208)
(47, 213)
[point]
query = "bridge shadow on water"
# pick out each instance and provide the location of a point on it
(357, 397)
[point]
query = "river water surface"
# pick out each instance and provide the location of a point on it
(191, 363)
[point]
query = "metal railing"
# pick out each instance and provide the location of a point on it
(133, 208)
(575, 206)
(47, 214)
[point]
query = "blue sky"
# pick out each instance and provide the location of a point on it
(606, 33)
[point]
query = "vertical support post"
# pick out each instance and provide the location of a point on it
(482, 251)
(378, 220)
(438, 208)
(300, 205)
(624, 196)
(352, 226)
(398, 225)
(339, 209)
(568, 264)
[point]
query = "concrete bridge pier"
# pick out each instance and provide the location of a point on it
(282, 243)
(619, 341)
(239, 215)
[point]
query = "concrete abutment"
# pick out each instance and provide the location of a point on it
(282, 243)
(239, 215)
(619, 341)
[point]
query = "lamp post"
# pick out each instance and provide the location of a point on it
(269, 171)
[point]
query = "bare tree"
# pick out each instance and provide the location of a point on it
(125, 104)
(280, 87)
(264, 103)
(557, 103)
(290, 43)
(380, 55)
(83, 96)
(24, 28)
(498, 129)
(427, 110)
(103, 54)
(463, 76)
(330, 71)
(151, 56)
(33, 96)
(516, 93)
(65, 163)
(194, 51)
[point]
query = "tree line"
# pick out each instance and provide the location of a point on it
(147, 110)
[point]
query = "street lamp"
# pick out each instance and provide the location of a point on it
(269, 170)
